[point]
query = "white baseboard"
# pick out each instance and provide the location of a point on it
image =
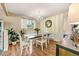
(55, 39)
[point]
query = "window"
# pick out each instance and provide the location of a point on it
(28, 24)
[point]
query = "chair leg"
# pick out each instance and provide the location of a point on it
(46, 44)
(48, 41)
(42, 46)
(27, 49)
(36, 44)
(21, 50)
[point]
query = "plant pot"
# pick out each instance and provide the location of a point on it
(13, 43)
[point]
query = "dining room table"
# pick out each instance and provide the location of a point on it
(33, 37)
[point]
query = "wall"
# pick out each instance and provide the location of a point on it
(73, 15)
(58, 26)
(12, 22)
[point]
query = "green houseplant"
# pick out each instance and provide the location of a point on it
(37, 30)
(13, 36)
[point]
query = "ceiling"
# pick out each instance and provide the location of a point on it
(37, 9)
(2, 13)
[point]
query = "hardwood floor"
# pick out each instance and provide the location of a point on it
(15, 50)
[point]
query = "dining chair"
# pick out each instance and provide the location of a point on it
(23, 44)
(47, 37)
(41, 41)
(52, 36)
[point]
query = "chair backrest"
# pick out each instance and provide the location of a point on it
(43, 36)
(52, 36)
(46, 36)
(20, 38)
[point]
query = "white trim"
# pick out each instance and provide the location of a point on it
(74, 23)
(2, 37)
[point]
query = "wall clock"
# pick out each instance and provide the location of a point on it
(48, 23)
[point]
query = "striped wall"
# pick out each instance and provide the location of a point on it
(57, 25)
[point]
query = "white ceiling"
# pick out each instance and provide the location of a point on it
(37, 9)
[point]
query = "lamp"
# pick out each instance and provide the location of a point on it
(77, 27)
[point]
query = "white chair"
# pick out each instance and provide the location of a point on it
(41, 41)
(23, 44)
(52, 36)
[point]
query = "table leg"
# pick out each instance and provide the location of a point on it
(57, 50)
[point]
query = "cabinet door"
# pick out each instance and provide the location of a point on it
(1, 36)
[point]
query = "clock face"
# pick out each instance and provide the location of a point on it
(48, 23)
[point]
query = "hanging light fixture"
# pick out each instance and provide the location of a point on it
(40, 17)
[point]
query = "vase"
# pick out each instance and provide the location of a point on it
(13, 43)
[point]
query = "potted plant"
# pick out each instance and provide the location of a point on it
(13, 36)
(37, 30)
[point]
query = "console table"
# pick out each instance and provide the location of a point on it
(68, 48)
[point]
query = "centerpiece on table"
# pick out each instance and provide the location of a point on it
(37, 30)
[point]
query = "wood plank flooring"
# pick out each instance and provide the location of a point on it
(15, 50)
